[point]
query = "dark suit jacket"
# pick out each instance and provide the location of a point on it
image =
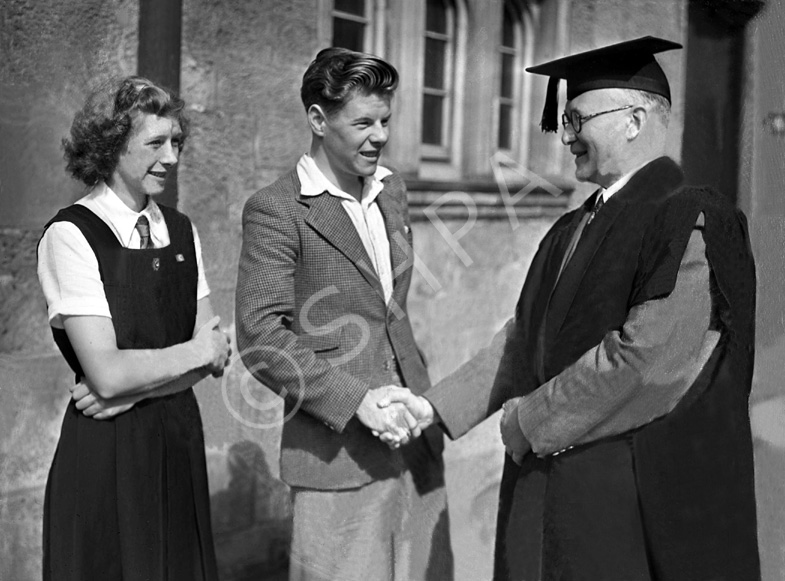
(312, 325)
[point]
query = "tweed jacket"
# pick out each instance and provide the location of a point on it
(313, 326)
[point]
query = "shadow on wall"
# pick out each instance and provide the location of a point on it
(252, 518)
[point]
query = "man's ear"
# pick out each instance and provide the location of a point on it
(636, 121)
(316, 119)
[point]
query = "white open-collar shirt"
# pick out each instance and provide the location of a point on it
(364, 214)
(68, 268)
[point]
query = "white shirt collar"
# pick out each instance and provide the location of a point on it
(121, 217)
(313, 182)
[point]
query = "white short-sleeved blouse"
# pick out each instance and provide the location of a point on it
(67, 266)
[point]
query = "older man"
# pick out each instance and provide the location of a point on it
(626, 371)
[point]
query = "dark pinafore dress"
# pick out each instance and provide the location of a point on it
(127, 498)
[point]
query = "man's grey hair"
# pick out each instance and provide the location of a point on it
(656, 104)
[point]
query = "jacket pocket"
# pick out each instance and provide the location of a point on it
(323, 341)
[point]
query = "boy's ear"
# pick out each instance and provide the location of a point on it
(316, 119)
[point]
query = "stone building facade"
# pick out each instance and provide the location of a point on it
(484, 185)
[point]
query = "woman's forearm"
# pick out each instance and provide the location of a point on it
(114, 372)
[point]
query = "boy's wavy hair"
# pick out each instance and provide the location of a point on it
(101, 128)
(336, 74)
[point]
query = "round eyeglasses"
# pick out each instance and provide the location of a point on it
(576, 120)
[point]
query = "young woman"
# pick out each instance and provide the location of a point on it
(128, 304)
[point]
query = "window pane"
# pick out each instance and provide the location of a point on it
(508, 75)
(348, 34)
(505, 126)
(508, 26)
(351, 6)
(436, 16)
(434, 63)
(432, 108)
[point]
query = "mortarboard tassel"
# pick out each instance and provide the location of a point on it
(550, 113)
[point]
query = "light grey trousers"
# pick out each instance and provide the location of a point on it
(384, 531)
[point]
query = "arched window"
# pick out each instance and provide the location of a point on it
(352, 26)
(510, 57)
(438, 78)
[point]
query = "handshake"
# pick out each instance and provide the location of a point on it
(395, 415)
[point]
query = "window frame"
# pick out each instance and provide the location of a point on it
(473, 118)
(520, 102)
(373, 21)
(442, 151)
(511, 101)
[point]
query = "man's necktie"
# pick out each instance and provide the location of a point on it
(576, 237)
(143, 227)
(597, 206)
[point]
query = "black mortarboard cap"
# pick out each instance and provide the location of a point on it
(626, 65)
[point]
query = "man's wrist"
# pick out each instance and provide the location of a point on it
(431, 416)
(362, 408)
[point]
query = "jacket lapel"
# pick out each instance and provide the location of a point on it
(653, 181)
(551, 254)
(536, 293)
(569, 282)
(400, 250)
(327, 216)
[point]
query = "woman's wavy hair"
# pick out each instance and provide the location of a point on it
(336, 74)
(101, 128)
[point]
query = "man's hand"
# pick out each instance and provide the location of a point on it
(515, 443)
(419, 407)
(394, 420)
(94, 406)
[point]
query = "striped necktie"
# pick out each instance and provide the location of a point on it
(143, 227)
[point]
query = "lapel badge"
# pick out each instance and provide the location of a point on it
(179, 258)
(156, 263)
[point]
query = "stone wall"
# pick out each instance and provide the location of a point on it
(49, 52)
(240, 76)
(762, 183)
